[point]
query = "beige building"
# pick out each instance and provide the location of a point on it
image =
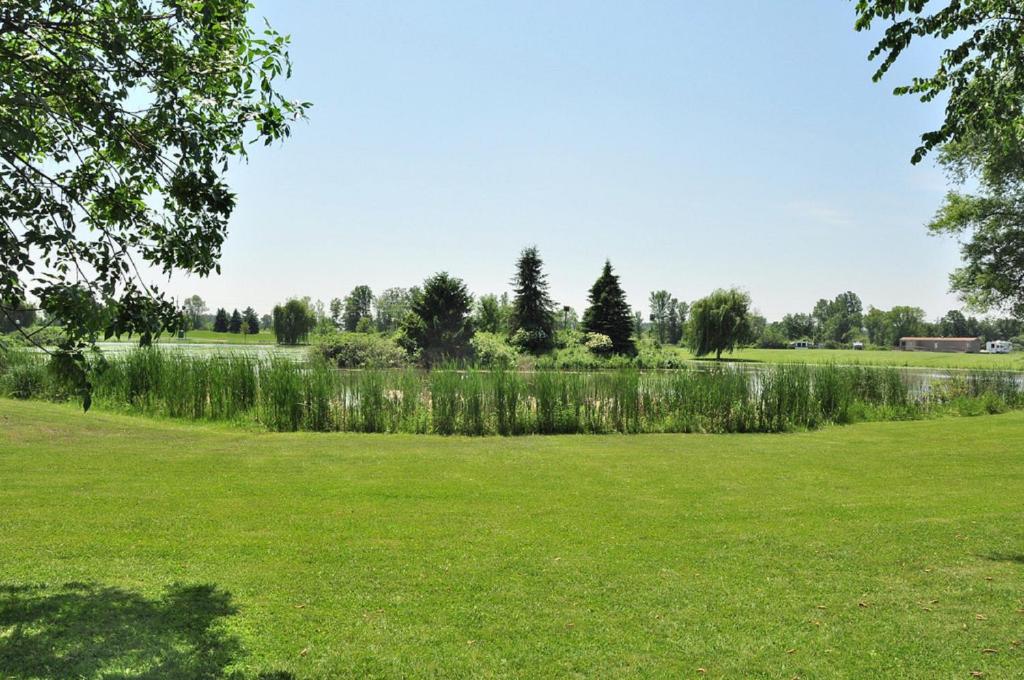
(914, 344)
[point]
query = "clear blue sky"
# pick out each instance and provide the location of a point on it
(695, 144)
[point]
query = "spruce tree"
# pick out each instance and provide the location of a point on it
(235, 325)
(220, 322)
(609, 313)
(533, 319)
(251, 321)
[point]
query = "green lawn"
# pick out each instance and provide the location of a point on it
(264, 337)
(1013, 361)
(135, 547)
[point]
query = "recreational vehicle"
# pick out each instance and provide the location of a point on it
(998, 346)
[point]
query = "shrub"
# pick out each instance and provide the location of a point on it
(360, 350)
(491, 351)
(598, 343)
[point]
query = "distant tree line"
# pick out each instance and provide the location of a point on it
(441, 321)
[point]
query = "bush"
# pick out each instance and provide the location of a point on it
(598, 343)
(491, 351)
(360, 350)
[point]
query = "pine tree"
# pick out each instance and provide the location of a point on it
(533, 320)
(609, 313)
(235, 325)
(220, 322)
(251, 321)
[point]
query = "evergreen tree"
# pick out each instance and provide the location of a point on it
(533, 320)
(220, 322)
(438, 325)
(252, 322)
(235, 324)
(609, 313)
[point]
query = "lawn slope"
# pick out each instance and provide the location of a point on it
(131, 546)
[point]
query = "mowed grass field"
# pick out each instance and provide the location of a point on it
(1004, 362)
(264, 337)
(133, 547)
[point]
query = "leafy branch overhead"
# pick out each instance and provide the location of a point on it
(981, 139)
(118, 120)
(979, 70)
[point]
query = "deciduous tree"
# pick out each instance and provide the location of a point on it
(719, 322)
(438, 326)
(193, 308)
(358, 305)
(391, 307)
(293, 321)
(982, 133)
(118, 120)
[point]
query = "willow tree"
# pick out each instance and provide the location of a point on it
(719, 322)
(118, 122)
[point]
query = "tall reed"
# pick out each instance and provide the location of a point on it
(286, 396)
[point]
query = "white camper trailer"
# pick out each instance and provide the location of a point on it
(998, 347)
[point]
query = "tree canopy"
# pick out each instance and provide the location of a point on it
(118, 119)
(391, 307)
(358, 306)
(838, 320)
(193, 308)
(719, 322)
(438, 325)
(982, 134)
(980, 73)
(293, 321)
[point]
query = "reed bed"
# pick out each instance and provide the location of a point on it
(282, 395)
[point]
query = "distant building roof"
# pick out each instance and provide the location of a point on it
(916, 337)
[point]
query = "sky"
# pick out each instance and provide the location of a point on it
(696, 145)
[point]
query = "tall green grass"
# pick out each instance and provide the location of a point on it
(282, 395)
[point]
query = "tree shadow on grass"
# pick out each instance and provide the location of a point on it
(88, 631)
(1006, 557)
